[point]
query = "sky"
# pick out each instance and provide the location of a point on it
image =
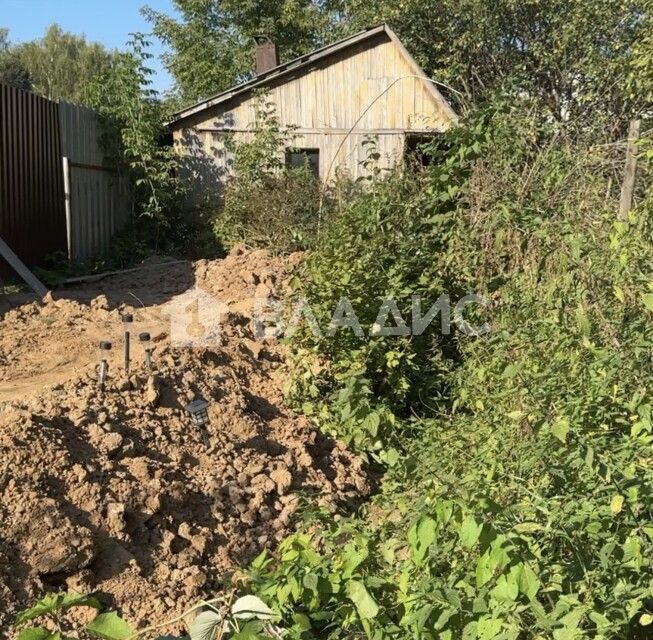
(107, 21)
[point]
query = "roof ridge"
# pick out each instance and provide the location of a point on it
(376, 27)
(279, 70)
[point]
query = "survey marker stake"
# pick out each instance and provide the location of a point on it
(105, 347)
(127, 319)
(145, 338)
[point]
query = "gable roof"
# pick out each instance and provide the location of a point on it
(288, 69)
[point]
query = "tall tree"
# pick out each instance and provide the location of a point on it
(62, 64)
(132, 124)
(641, 80)
(12, 70)
(212, 46)
(571, 56)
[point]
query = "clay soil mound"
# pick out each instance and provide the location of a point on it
(118, 491)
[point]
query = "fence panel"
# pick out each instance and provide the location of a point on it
(32, 213)
(99, 198)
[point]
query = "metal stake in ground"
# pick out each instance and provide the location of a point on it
(145, 338)
(105, 347)
(127, 319)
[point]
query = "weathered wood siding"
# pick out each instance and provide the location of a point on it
(323, 103)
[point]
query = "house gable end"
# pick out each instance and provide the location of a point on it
(333, 87)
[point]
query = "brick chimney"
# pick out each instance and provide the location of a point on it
(267, 54)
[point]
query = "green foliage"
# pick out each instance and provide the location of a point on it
(263, 153)
(184, 235)
(517, 498)
(248, 618)
(640, 81)
(133, 122)
(212, 43)
(56, 603)
(59, 66)
(267, 204)
(109, 626)
(278, 213)
(12, 69)
(377, 250)
(52, 608)
(570, 58)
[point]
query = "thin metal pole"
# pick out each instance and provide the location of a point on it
(66, 191)
(103, 374)
(127, 351)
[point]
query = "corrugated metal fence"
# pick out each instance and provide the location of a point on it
(56, 191)
(32, 215)
(98, 196)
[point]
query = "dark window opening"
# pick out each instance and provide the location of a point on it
(418, 150)
(310, 158)
(166, 139)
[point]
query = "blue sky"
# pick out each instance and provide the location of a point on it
(105, 21)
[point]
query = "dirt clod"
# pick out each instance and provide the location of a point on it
(120, 491)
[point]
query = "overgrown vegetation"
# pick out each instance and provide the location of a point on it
(133, 125)
(570, 57)
(49, 619)
(267, 203)
(517, 498)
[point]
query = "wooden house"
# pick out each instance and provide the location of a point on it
(362, 96)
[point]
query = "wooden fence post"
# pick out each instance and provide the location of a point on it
(628, 184)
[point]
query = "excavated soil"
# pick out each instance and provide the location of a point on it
(118, 491)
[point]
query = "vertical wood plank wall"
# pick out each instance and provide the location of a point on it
(323, 103)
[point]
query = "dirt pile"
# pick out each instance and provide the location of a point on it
(119, 491)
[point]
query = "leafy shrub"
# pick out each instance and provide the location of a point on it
(132, 119)
(277, 212)
(518, 505)
(219, 617)
(392, 242)
(54, 624)
(267, 204)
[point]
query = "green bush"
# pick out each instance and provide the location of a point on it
(392, 242)
(132, 125)
(517, 501)
(267, 204)
(278, 212)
